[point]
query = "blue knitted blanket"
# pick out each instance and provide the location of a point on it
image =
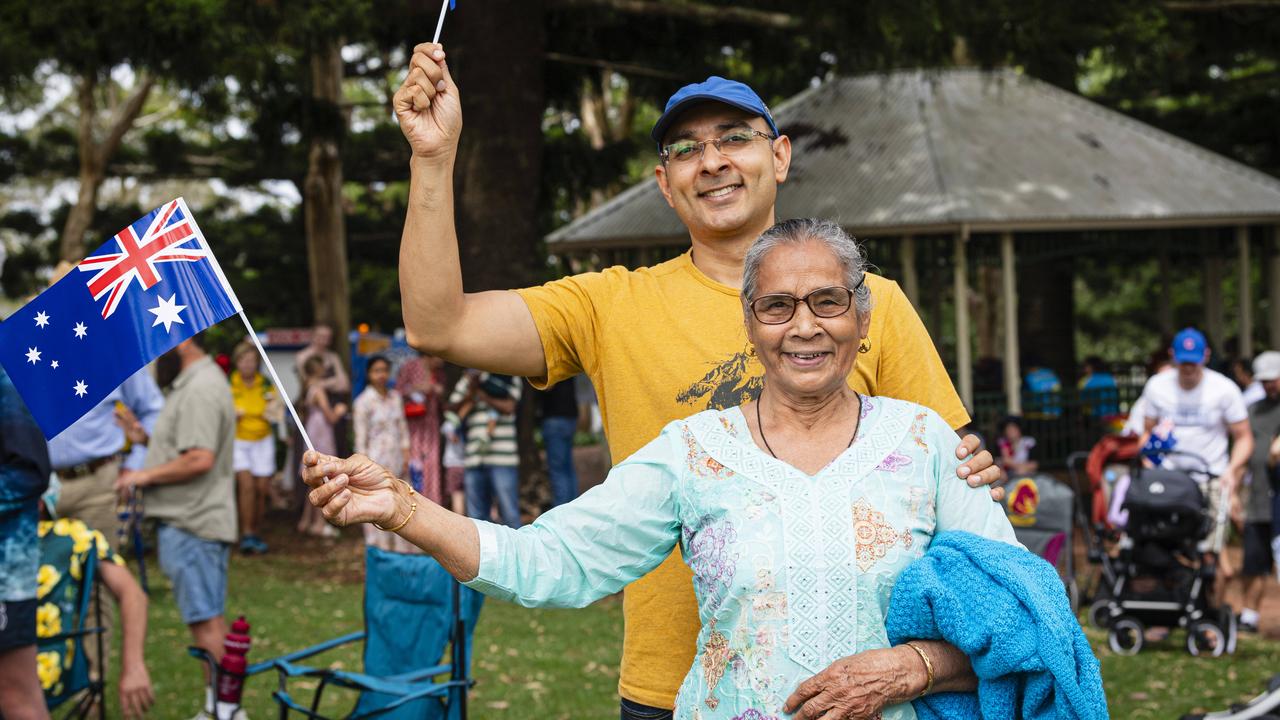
(1008, 611)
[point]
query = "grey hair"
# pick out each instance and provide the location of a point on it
(793, 232)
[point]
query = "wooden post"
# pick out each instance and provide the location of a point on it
(910, 281)
(1166, 291)
(964, 354)
(1213, 314)
(1012, 364)
(1273, 289)
(1246, 293)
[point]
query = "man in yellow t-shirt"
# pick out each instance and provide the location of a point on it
(659, 343)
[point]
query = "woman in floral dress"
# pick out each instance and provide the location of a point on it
(421, 384)
(797, 512)
(383, 435)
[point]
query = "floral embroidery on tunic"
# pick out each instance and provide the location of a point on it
(754, 714)
(768, 603)
(709, 554)
(894, 462)
(873, 536)
(700, 463)
(715, 658)
(867, 407)
(918, 429)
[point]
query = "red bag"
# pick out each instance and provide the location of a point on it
(415, 409)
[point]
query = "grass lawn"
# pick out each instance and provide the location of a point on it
(563, 663)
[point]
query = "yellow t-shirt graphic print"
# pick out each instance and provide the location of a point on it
(664, 342)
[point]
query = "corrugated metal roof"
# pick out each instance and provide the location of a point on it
(935, 150)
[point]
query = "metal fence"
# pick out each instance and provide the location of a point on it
(1061, 422)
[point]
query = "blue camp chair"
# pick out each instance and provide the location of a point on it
(413, 608)
(75, 682)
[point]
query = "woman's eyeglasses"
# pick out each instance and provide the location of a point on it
(827, 302)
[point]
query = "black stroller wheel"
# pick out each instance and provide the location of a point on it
(1126, 636)
(1206, 639)
(1100, 613)
(1073, 595)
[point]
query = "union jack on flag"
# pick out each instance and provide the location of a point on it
(170, 237)
(67, 349)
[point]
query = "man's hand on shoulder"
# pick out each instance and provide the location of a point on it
(978, 468)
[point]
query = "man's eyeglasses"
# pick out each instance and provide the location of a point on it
(827, 302)
(735, 141)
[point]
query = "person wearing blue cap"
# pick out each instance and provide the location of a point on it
(1204, 413)
(659, 343)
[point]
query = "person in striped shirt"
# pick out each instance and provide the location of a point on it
(486, 402)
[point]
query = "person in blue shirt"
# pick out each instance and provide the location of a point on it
(90, 455)
(24, 476)
(1041, 390)
(1098, 389)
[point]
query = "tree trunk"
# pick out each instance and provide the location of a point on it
(496, 56)
(94, 157)
(323, 209)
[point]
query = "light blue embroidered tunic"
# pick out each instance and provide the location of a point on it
(791, 571)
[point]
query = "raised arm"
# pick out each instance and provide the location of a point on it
(489, 330)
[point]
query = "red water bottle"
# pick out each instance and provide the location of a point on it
(233, 664)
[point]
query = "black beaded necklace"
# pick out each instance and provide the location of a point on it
(760, 424)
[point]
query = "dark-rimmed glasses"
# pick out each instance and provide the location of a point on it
(734, 141)
(827, 302)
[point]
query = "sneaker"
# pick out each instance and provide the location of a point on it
(1247, 627)
(259, 545)
(247, 546)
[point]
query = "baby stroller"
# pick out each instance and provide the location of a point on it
(1159, 576)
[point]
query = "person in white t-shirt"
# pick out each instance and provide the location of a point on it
(1206, 410)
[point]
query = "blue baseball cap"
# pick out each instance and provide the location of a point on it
(713, 89)
(1189, 346)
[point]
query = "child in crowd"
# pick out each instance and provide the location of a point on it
(320, 419)
(1015, 448)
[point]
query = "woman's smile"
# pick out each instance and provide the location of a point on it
(806, 360)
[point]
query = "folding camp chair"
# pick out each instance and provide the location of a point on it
(68, 650)
(413, 608)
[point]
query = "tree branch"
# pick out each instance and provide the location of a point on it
(696, 11)
(124, 119)
(1218, 5)
(622, 67)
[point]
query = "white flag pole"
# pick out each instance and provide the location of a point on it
(444, 8)
(276, 379)
(235, 302)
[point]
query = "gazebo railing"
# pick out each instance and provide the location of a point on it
(1061, 422)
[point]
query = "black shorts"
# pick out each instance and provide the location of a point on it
(17, 624)
(1257, 549)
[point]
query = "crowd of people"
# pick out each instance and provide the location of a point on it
(192, 446)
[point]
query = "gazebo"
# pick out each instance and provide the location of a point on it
(942, 169)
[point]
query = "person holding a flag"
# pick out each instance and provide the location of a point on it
(658, 343)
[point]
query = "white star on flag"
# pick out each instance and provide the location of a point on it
(81, 330)
(167, 312)
(42, 319)
(33, 355)
(81, 389)
(54, 364)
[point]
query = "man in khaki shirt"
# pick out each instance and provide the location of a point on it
(189, 487)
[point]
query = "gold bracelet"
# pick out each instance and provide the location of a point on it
(928, 667)
(413, 507)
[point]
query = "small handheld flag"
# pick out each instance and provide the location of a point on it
(141, 293)
(445, 6)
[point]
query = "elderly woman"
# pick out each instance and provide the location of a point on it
(796, 512)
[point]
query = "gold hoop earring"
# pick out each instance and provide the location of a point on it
(864, 347)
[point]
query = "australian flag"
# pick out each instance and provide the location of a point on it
(153, 285)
